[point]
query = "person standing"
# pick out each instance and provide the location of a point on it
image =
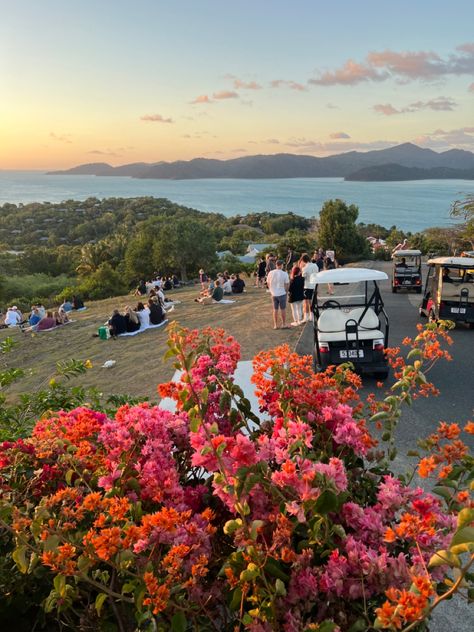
(291, 257)
(309, 271)
(261, 272)
(329, 264)
(278, 282)
(296, 296)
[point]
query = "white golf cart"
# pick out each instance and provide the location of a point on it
(353, 328)
(449, 290)
(406, 273)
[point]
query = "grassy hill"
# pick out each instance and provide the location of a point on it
(139, 359)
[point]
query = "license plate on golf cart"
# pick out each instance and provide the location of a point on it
(407, 282)
(458, 310)
(353, 353)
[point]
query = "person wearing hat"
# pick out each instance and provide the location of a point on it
(13, 317)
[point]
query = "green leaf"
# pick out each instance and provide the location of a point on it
(280, 588)
(99, 602)
(444, 557)
(444, 492)
(273, 568)
(68, 476)
(327, 626)
(326, 502)
(194, 423)
(463, 536)
(236, 599)
(19, 557)
(465, 517)
(359, 626)
(178, 622)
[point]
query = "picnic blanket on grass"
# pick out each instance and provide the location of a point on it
(225, 301)
(140, 331)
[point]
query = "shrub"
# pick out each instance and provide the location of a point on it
(209, 518)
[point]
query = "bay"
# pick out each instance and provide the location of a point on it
(411, 206)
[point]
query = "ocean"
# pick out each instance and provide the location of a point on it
(411, 206)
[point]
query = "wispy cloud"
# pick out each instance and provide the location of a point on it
(155, 118)
(288, 83)
(225, 94)
(101, 152)
(331, 106)
(272, 141)
(201, 99)
(61, 138)
(405, 66)
(439, 104)
(239, 84)
(336, 135)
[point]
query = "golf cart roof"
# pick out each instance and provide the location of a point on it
(452, 262)
(407, 253)
(348, 275)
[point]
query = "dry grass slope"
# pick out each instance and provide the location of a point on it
(139, 359)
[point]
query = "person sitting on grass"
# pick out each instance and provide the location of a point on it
(226, 286)
(77, 303)
(48, 322)
(238, 284)
(66, 306)
(132, 322)
(62, 316)
(34, 317)
(13, 317)
(156, 312)
(117, 324)
(216, 295)
(143, 314)
(140, 290)
(168, 285)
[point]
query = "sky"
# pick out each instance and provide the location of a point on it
(123, 81)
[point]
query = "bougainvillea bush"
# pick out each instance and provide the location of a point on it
(208, 518)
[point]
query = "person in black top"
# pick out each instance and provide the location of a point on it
(77, 302)
(168, 285)
(156, 313)
(291, 257)
(238, 285)
(296, 295)
(261, 272)
(131, 320)
(117, 324)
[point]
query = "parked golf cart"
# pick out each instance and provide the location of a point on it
(406, 273)
(353, 328)
(449, 290)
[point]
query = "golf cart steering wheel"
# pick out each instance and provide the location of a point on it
(331, 304)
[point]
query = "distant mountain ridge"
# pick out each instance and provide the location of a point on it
(385, 164)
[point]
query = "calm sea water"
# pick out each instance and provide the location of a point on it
(410, 205)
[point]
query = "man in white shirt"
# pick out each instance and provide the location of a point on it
(13, 317)
(308, 270)
(278, 282)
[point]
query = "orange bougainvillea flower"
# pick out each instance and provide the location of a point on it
(469, 427)
(426, 466)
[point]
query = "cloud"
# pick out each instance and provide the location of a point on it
(202, 98)
(337, 135)
(61, 138)
(331, 106)
(401, 66)
(439, 104)
(350, 74)
(461, 138)
(272, 141)
(100, 152)
(225, 94)
(155, 118)
(246, 85)
(285, 83)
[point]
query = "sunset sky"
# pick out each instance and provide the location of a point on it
(124, 81)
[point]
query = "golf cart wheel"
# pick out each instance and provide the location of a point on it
(394, 289)
(418, 290)
(382, 375)
(471, 325)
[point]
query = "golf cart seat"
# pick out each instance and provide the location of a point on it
(332, 325)
(451, 290)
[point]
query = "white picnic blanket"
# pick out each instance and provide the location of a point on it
(224, 301)
(141, 330)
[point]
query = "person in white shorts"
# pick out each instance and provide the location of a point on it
(278, 282)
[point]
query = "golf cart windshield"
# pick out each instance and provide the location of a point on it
(407, 260)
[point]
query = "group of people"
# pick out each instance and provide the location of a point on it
(132, 320)
(297, 287)
(164, 283)
(215, 290)
(41, 319)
